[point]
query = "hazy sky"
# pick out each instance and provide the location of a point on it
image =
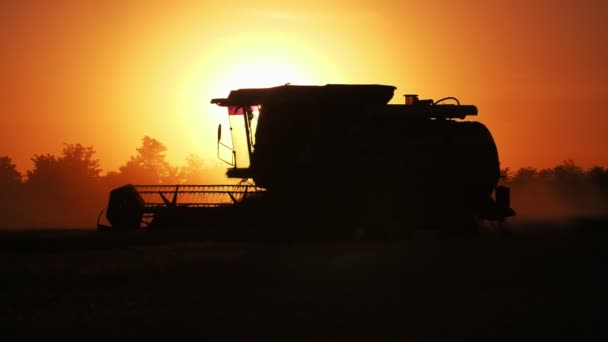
(106, 73)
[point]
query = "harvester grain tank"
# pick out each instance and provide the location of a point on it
(327, 160)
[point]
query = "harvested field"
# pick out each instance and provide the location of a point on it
(94, 285)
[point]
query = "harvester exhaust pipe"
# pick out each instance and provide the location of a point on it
(410, 99)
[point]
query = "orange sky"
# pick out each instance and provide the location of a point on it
(106, 73)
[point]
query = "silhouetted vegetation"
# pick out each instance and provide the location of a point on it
(149, 166)
(70, 190)
(194, 171)
(9, 176)
(11, 191)
(566, 190)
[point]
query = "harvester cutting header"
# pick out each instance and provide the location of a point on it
(334, 159)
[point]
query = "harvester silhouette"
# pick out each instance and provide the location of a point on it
(333, 161)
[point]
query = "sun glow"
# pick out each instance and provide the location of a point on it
(261, 73)
(257, 61)
(255, 68)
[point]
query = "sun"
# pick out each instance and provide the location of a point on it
(263, 59)
(261, 73)
(251, 61)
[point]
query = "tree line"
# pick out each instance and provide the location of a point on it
(564, 191)
(70, 190)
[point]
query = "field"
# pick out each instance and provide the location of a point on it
(537, 284)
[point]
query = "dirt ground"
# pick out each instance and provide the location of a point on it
(85, 284)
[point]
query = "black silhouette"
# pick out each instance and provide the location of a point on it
(339, 156)
(362, 169)
(564, 191)
(149, 165)
(75, 167)
(9, 176)
(67, 191)
(11, 192)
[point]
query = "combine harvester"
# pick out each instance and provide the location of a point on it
(335, 161)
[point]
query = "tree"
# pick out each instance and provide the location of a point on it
(64, 191)
(568, 178)
(10, 193)
(9, 176)
(76, 166)
(194, 170)
(568, 169)
(524, 175)
(80, 160)
(149, 165)
(599, 178)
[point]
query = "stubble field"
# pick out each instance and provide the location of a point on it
(534, 285)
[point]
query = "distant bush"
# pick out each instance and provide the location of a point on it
(11, 192)
(564, 190)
